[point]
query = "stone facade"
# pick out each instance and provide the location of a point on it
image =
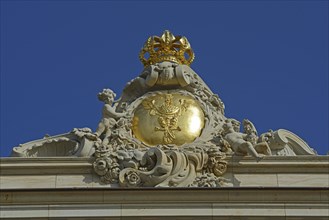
(165, 149)
(68, 188)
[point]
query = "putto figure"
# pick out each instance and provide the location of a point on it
(243, 143)
(252, 136)
(168, 129)
(109, 115)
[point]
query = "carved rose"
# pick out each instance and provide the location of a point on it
(115, 171)
(112, 176)
(103, 148)
(108, 170)
(133, 179)
(219, 168)
(208, 180)
(100, 166)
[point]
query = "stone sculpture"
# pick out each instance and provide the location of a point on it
(242, 144)
(109, 116)
(168, 129)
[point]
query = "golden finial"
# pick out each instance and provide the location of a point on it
(166, 48)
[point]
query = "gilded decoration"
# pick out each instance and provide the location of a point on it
(167, 129)
(168, 47)
(168, 119)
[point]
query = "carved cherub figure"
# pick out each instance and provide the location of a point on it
(252, 136)
(109, 115)
(250, 131)
(237, 139)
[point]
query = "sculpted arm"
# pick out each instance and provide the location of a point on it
(109, 112)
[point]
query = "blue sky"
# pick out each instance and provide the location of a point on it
(267, 60)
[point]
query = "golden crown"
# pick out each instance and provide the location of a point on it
(166, 48)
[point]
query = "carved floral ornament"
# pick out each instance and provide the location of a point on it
(176, 121)
(168, 129)
(174, 132)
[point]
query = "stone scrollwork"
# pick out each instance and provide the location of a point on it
(129, 162)
(168, 129)
(127, 159)
(77, 143)
(285, 143)
(161, 166)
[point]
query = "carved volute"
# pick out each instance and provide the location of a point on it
(168, 129)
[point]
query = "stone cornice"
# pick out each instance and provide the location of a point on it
(164, 195)
(75, 165)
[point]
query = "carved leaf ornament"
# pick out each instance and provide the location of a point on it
(167, 129)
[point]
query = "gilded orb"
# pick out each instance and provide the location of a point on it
(170, 118)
